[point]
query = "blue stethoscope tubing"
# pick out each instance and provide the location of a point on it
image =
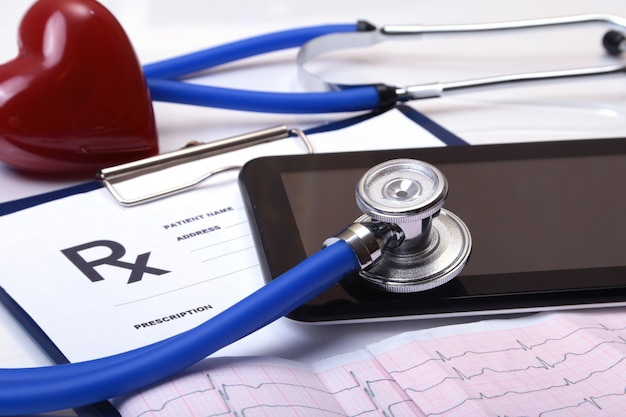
(165, 84)
(36, 390)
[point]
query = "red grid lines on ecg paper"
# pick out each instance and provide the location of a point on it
(566, 365)
(549, 371)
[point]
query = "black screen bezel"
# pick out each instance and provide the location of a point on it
(280, 245)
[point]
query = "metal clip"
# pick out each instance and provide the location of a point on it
(192, 152)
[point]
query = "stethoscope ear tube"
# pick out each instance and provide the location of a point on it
(613, 42)
(348, 100)
(205, 59)
(27, 391)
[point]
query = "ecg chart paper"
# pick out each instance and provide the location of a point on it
(548, 365)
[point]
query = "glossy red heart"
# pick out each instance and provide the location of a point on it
(74, 99)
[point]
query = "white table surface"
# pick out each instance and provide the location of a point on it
(164, 28)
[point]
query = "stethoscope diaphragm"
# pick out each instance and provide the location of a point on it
(435, 244)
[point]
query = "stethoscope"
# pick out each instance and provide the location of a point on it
(170, 80)
(404, 242)
(327, 97)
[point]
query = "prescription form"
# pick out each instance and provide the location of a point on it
(102, 279)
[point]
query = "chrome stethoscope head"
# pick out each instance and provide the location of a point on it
(406, 242)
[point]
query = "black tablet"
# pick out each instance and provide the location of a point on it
(547, 219)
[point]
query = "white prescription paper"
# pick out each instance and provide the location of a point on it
(161, 268)
(101, 279)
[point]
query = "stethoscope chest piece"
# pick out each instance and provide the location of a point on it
(435, 243)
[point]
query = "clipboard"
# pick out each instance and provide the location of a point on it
(46, 343)
(447, 137)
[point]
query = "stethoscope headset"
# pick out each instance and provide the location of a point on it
(327, 97)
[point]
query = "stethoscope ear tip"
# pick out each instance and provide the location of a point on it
(614, 42)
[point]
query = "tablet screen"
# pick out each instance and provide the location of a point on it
(524, 215)
(547, 224)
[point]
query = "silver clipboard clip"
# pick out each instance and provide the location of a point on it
(192, 152)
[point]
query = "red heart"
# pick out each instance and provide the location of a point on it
(74, 99)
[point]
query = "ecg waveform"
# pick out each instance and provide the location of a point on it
(568, 364)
